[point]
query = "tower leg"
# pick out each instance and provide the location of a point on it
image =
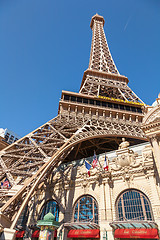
(8, 234)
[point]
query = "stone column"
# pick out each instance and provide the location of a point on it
(155, 199)
(156, 151)
(108, 201)
(105, 227)
(103, 202)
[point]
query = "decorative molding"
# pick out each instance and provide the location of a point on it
(152, 116)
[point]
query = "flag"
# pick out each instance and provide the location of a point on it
(5, 184)
(95, 161)
(105, 167)
(88, 167)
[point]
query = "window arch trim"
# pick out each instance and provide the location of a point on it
(94, 211)
(145, 206)
(44, 206)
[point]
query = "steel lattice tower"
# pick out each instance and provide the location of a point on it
(96, 118)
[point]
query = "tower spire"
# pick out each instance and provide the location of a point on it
(100, 56)
(102, 78)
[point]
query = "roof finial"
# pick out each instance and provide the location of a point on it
(96, 17)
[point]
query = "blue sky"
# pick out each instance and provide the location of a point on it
(45, 47)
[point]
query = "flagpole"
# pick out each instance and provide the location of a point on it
(104, 160)
(108, 163)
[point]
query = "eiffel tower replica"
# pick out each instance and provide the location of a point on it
(96, 118)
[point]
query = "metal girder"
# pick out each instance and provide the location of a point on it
(37, 168)
(109, 88)
(30, 159)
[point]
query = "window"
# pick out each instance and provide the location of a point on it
(110, 105)
(85, 100)
(79, 99)
(121, 107)
(50, 206)
(128, 108)
(104, 104)
(115, 105)
(133, 204)
(91, 101)
(133, 109)
(73, 98)
(86, 210)
(66, 97)
(139, 110)
(11, 139)
(98, 103)
(7, 137)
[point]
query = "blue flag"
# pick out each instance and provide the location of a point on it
(88, 167)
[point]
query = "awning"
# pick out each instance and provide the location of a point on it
(85, 233)
(137, 233)
(81, 225)
(19, 234)
(35, 234)
(133, 224)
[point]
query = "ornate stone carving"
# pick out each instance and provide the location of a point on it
(126, 158)
(152, 116)
(123, 144)
(127, 176)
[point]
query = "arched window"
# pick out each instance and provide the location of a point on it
(133, 204)
(50, 206)
(86, 210)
